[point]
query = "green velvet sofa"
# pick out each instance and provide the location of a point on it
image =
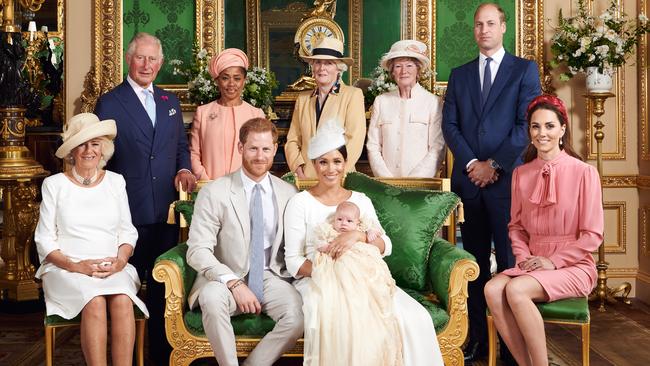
(441, 289)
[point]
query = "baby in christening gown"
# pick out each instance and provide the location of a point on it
(353, 319)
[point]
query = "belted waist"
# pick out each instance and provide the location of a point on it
(552, 238)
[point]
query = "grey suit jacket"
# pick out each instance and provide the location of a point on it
(219, 235)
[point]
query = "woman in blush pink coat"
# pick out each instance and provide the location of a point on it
(215, 129)
(556, 223)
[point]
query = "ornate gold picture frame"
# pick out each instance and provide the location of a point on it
(107, 66)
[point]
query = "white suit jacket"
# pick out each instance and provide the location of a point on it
(219, 237)
(405, 135)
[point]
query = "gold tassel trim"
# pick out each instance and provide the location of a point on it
(171, 217)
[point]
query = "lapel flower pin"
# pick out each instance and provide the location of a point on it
(172, 112)
(164, 97)
(213, 115)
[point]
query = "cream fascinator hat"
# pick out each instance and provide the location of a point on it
(329, 48)
(407, 48)
(84, 127)
(329, 137)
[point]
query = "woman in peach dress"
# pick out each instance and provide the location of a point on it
(215, 129)
(556, 223)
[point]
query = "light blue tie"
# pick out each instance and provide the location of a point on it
(487, 81)
(256, 270)
(150, 106)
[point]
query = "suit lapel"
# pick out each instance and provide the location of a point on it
(499, 81)
(240, 205)
(475, 92)
(135, 109)
(162, 119)
(312, 114)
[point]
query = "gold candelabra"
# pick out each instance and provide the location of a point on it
(19, 173)
(602, 292)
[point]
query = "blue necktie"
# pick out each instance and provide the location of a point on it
(150, 106)
(256, 270)
(487, 81)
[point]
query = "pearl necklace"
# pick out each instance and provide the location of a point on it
(85, 181)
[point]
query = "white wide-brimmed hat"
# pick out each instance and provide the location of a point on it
(329, 48)
(329, 137)
(84, 127)
(407, 48)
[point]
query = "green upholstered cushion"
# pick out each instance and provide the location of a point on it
(289, 177)
(177, 255)
(185, 208)
(411, 218)
(442, 258)
(572, 310)
(438, 313)
(55, 320)
(245, 324)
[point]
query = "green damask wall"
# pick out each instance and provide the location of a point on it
(169, 20)
(455, 33)
(381, 28)
(235, 24)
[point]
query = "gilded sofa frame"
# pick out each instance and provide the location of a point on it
(187, 347)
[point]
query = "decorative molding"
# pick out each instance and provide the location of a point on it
(355, 31)
(253, 29)
(406, 31)
(106, 71)
(619, 181)
(642, 181)
(423, 21)
(530, 31)
(643, 84)
(644, 230)
(622, 272)
(621, 226)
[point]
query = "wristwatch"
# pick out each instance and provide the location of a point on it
(493, 164)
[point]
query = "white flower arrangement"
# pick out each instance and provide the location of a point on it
(605, 41)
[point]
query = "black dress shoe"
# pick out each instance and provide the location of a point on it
(474, 351)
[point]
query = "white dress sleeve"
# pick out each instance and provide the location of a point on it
(368, 210)
(128, 234)
(46, 236)
(295, 234)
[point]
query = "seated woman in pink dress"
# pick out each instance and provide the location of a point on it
(556, 223)
(215, 129)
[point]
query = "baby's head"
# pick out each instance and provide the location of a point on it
(346, 217)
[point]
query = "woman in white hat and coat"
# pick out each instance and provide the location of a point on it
(84, 239)
(405, 136)
(330, 100)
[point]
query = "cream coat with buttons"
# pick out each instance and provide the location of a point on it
(405, 137)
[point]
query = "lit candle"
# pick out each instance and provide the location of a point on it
(32, 29)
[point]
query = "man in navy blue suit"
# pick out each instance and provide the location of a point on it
(484, 125)
(152, 154)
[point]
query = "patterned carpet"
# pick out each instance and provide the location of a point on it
(617, 338)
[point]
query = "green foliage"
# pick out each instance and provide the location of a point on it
(605, 41)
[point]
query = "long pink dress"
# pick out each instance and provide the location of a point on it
(557, 213)
(214, 137)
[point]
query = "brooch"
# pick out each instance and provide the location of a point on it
(172, 112)
(213, 115)
(164, 97)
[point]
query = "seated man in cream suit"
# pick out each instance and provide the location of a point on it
(235, 245)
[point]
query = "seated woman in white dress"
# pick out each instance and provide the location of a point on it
(84, 239)
(306, 211)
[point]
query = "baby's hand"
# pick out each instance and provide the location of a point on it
(372, 235)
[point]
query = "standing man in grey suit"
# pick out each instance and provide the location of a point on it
(236, 246)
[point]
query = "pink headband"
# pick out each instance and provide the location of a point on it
(227, 58)
(551, 100)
